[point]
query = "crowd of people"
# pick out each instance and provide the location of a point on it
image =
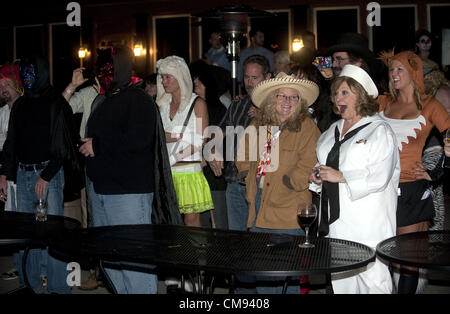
(368, 149)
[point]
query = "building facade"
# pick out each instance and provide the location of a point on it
(175, 27)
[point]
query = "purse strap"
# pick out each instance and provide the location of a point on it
(186, 121)
(189, 114)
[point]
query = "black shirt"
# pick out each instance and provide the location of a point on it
(123, 131)
(33, 140)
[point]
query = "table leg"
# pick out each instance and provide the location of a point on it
(24, 269)
(232, 285)
(200, 283)
(183, 283)
(328, 285)
(211, 285)
(286, 284)
(107, 279)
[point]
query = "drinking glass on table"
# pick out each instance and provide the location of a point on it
(41, 210)
(306, 214)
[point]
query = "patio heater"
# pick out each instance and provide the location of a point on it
(233, 21)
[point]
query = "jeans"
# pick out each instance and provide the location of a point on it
(123, 209)
(39, 262)
(237, 206)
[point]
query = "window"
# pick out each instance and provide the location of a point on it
(65, 42)
(6, 49)
(172, 36)
(391, 33)
(330, 22)
(28, 40)
(439, 25)
(276, 30)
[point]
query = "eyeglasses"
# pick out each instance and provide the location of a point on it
(292, 98)
(339, 59)
(423, 41)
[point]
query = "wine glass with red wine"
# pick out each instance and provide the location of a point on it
(306, 214)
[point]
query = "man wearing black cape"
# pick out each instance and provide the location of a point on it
(129, 179)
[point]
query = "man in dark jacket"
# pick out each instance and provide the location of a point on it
(349, 48)
(120, 159)
(40, 137)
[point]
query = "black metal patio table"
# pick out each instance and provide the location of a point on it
(430, 249)
(144, 247)
(21, 231)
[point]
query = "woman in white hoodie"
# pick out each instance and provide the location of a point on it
(175, 97)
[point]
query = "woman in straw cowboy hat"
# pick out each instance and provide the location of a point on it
(358, 177)
(277, 179)
(412, 115)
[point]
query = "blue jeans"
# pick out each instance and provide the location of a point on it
(124, 209)
(237, 206)
(39, 262)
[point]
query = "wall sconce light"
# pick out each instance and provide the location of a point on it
(297, 44)
(138, 49)
(82, 53)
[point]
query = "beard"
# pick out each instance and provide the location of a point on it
(6, 97)
(336, 71)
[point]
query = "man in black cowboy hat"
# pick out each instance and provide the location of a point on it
(351, 48)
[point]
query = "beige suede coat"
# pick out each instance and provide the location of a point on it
(286, 185)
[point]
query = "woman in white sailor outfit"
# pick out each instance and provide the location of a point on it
(175, 98)
(358, 175)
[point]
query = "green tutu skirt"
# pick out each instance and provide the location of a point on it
(193, 192)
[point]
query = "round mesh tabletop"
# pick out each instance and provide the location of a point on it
(216, 250)
(22, 229)
(429, 249)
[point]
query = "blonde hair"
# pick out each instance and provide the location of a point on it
(177, 67)
(395, 93)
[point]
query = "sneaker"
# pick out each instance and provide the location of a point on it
(172, 281)
(174, 284)
(10, 275)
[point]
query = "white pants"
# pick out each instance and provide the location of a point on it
(375, 278)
